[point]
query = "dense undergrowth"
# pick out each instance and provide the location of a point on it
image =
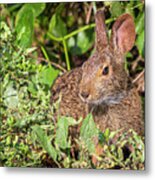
(37, 43)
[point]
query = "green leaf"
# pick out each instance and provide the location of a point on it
(10, 96)
(120, 154)
(57, 27)
(25, 22)
(36, 7)
(48, 75)
(140, 43)
(107, 134)
(129, 8)
(88, 131)
(116, 9)
(25, 26)
(81, 43)
(62, 131)
(44, 141)
(60, 8)
(32, 88)
(140, 23)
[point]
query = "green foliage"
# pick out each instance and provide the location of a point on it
(88, 132)
(140, 32)
(25, 23)
(62, 131)
(48, 75)
(10, 96)
(116, 9)
(127, 150)
(36, 40)
(57, 27)
(24, 101)
(81, 43)
(44, 141)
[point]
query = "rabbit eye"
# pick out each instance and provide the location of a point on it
(105, 70)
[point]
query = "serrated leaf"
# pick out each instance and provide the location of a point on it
(44, 141)
(88, 131)
(10, 96)
(62, 131)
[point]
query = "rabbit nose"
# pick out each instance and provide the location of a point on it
(84, 94)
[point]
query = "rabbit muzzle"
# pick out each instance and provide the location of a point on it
(84, 95)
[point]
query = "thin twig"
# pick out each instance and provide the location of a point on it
(53, 63)
(138, 77)
(89, 14)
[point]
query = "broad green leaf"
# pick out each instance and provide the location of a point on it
(140, 43)
(116, 9)
(57, 27)
(44, 141)
(25, 26)
(81, 43)
(62, 131)
(48, 75)
(88, 131)
(60, 8)
(140, 23)
(25, 22)
(10, 96)
(36, 7)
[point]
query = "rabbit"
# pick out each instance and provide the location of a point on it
(101, 86)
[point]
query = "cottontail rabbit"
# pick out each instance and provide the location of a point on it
(102, 86)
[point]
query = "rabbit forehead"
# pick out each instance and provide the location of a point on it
(97, 61)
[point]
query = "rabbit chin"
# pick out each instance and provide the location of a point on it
(109, 100)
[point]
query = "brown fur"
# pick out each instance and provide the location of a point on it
(112, 99)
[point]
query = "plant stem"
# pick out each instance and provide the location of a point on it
(63, 40)
(85, 28)
(138, 5)
(45, 53)
(66, 54)
(54, 38)
(79, 30)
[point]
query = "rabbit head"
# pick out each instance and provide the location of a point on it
(104, 79)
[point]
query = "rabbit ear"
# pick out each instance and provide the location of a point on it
(123, 33)
(101, 35)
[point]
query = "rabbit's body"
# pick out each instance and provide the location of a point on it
(66, 87)
(121, 116)
(102, 86)
(125, 115)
